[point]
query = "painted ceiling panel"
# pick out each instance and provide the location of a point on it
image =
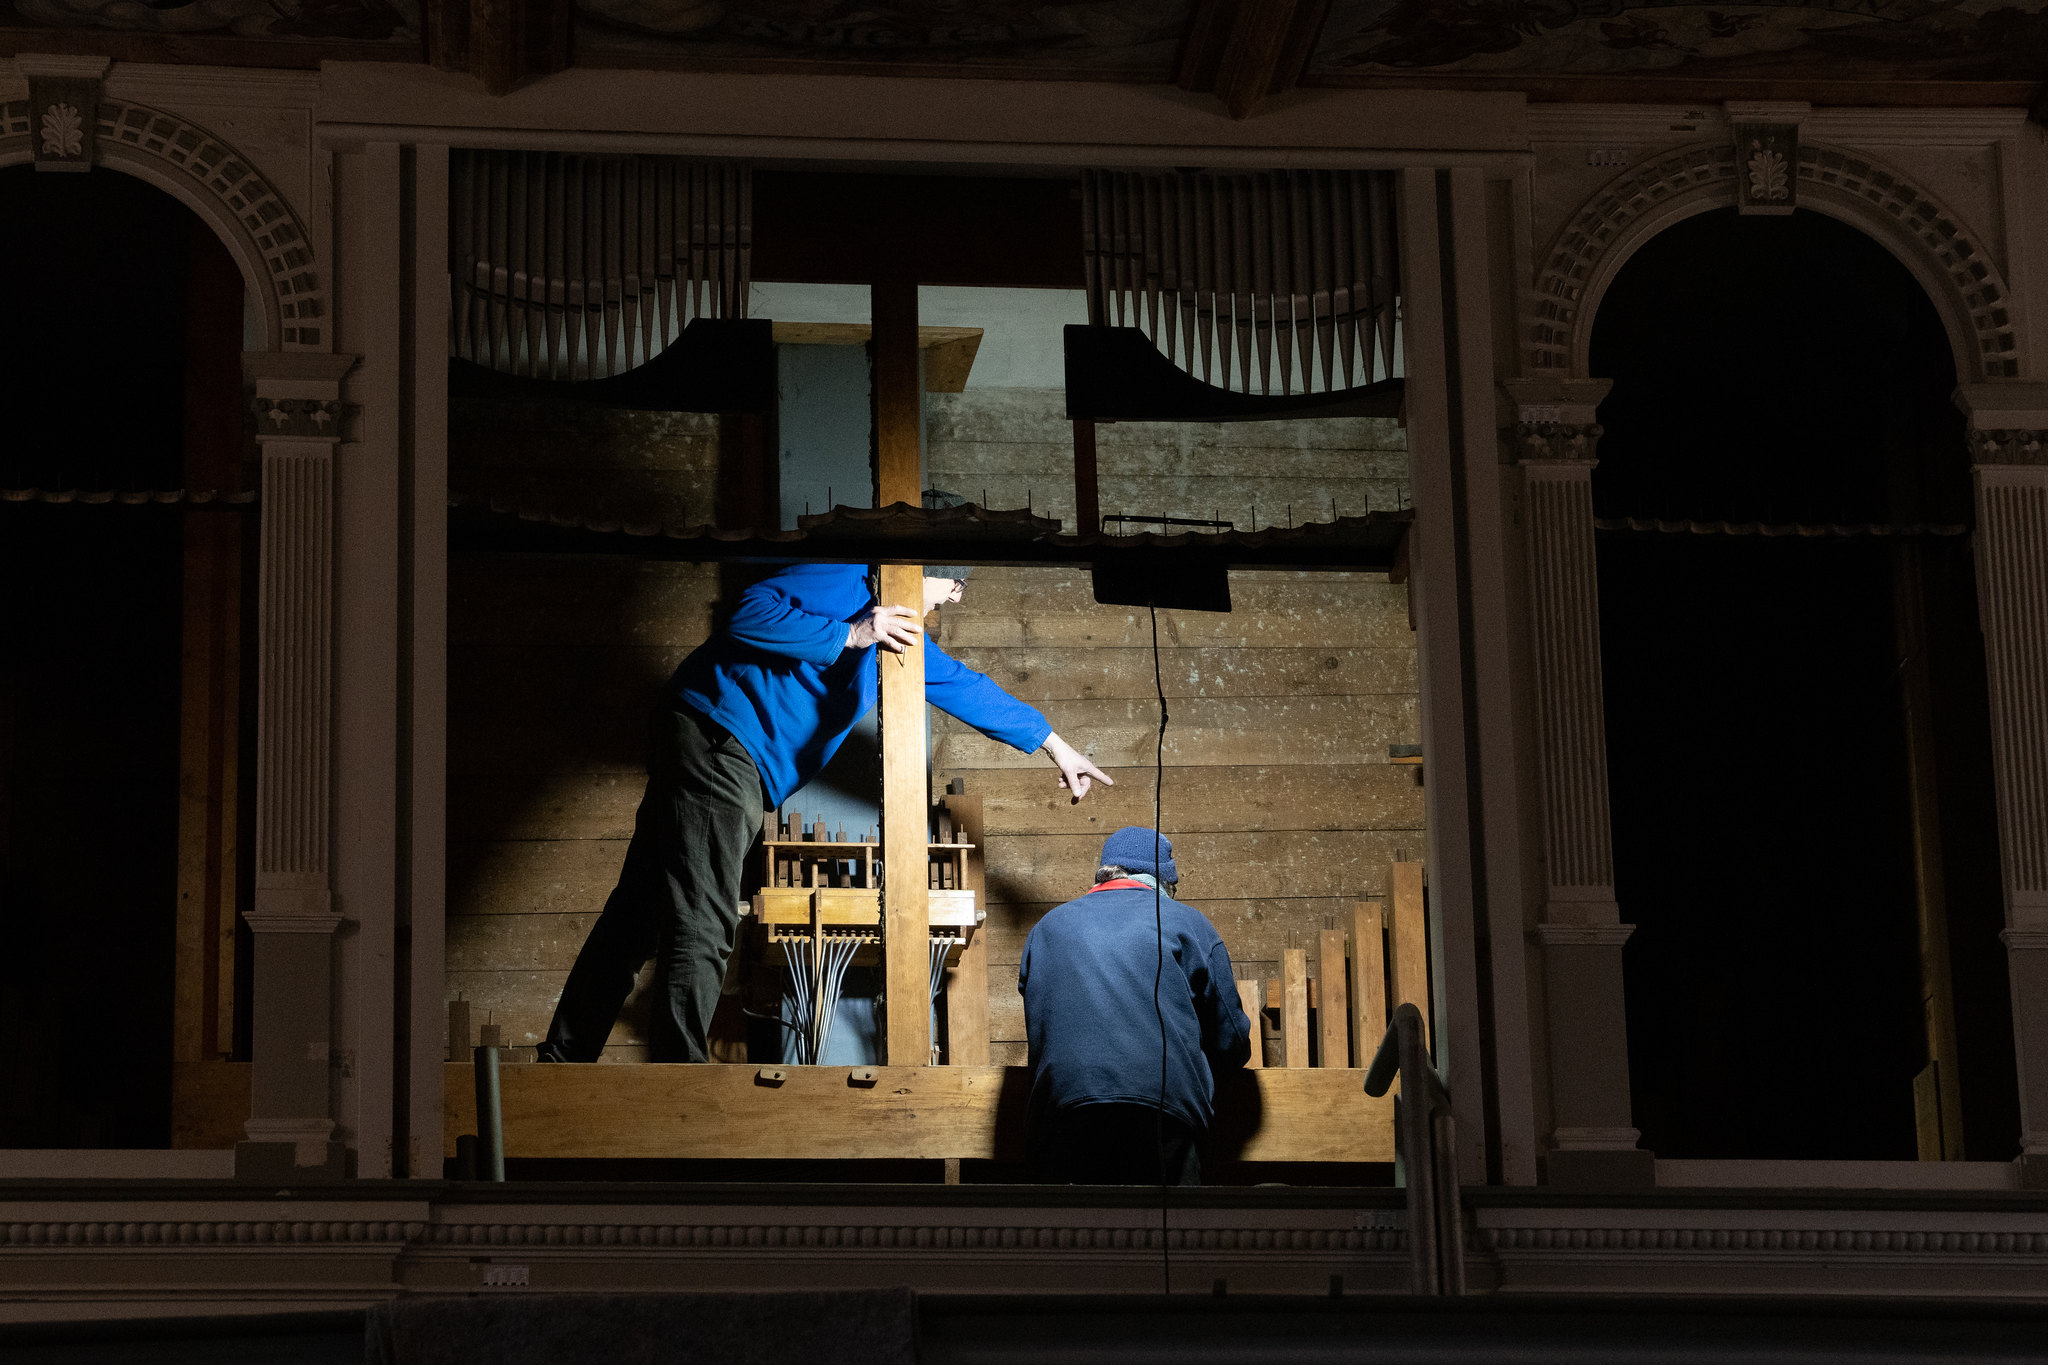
(313, 21)
(1136, 38)
(1956, 40)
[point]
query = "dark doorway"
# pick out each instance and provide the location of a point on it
(96, 361)
(1798, 743)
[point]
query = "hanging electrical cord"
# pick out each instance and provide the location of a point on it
(1159, 966)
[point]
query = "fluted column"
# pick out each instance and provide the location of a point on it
(296, 403)
(2009, 450)
(1592, 1136)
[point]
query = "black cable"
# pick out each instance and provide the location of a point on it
(1159, 966)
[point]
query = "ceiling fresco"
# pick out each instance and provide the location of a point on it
(1955, 40)
(1139, 38)
(316, 21)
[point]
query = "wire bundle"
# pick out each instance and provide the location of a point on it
(814, 980)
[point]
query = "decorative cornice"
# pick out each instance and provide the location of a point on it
(2009, 446)
(1735, 1240)
(813, 1236)
(1557, 443)
(299, 419)
(1767, 111)
(62, 66)
(2024, 940)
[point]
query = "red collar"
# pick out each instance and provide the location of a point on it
(1118, 884)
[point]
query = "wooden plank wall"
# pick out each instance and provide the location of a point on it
(1283, 808)
(553, 662)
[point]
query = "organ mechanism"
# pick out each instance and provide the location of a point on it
(821, 912)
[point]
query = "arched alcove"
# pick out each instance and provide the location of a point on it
(122, 658)
(1797, 738)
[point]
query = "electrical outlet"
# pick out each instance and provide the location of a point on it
(515, 1276)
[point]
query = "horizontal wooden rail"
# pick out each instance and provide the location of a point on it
(656, 1110)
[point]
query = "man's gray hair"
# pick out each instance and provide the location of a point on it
(1110, 872)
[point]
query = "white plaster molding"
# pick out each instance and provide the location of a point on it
(2034, 1143)
(1794, 112)
(306, 921)
(1627, 124)
(2011, 405)
(1596, 1139)
(1677, 124)
(1582, 935)
(1837, 1175)
(61, 66)
(1583, 906)
(308, 1137)
(1928, 238)
(1572, 402)
(233, 87)
(223, 187)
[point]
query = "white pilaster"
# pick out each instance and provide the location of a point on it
(2009, 449)
(298, 417)
(1580, 933)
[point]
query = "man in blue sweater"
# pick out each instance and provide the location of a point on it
(1121, 1094)
(753, 714)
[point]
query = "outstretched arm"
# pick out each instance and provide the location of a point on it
(973, 697)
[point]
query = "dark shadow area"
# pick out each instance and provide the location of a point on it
(1769, 785)
(92, 378)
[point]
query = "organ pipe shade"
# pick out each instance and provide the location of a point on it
(1266, 282)
(580, 267)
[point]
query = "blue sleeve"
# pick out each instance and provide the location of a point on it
(1226, 1031)
(768, 621)
(968, 696)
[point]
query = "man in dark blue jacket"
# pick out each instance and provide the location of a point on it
(753, 714)
(1121, 1094)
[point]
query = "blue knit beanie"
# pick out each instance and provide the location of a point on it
(1132, 848)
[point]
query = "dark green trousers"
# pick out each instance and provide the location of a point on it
(678, 896)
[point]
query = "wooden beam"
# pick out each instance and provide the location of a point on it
(948, 351)
(1087, 499)
(1335, 1014)
(500, 42)
(905, 799)
(1410, 935)
(967, 982)
(1247, 51)
(683, 1111)
(1368, 977)
(1294, 1004)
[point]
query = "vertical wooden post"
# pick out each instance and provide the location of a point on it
(1294, 1004)
(1368, 977)
(1410, 940)
(967, 983)
(906, 927)
(1335, 1008)
(1248, 994)
(1087, 502)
